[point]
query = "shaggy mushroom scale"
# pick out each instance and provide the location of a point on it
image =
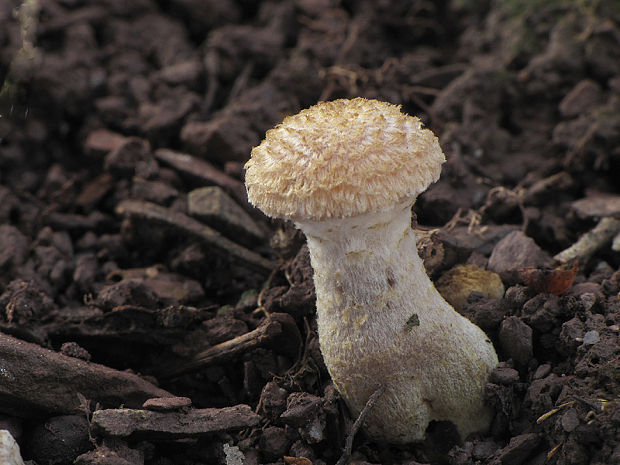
(347, 172)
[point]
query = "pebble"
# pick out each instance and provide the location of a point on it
(304, 411)
(273, 443)
(570, 420)
(504, 375)
(583, 96)
(217, 209)
(102, 141)
(484, 449)
(515, 338)
(597, 206)
(588, 299)
(542, 371)
(73, 349)
(516, 251)
(591, 337)
(272, 400)
(58, 439)
(234, 456)
(9, 450)
(518, 449)
(456, 284)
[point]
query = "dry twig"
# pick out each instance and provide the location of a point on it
(348, 446)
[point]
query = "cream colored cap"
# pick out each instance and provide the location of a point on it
(342, 158)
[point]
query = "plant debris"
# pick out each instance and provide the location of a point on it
(117, 288)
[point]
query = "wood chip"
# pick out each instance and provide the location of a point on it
(591, 241)
(598, 206)
(278, 330)
(151, 212)
(38, 381)
(172, 425)
(202, 172)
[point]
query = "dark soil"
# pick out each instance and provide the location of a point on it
(122, 279)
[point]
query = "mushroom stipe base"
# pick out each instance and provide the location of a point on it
(369, 282)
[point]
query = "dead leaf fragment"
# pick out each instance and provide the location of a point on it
(297, 460)
(551, 281)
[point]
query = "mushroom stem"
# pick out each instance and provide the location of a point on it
(382, 322)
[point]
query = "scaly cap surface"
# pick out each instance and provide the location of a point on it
(342, 158)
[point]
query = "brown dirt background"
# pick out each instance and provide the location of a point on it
(525, 97)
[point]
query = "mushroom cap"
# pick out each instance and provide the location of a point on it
(342, 158)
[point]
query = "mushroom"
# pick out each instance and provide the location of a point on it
(347, 172)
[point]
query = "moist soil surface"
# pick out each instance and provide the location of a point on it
(150, 315)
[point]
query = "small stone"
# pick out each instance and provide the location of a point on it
(58, 439)
(301, 407)
(591, 337)
(101, 141)
(154, 191)
(163, 118)
(213, 206)
(95, 190)
(102, 456)
(515, 338)
(517, 295)
(127, 292)
(24, 301)
(167, 404)
(571, 335)
(85, 272)
(516, 251)
(304, 411)
(186, 72)
(149, 287)
(542, 371)
(9, 449)
(598, 205)
(518, 449)
(223, 138)
(587, 287)
(233, 454)
(14, 248)
(132, 157)
(302, 452)
(615, 243)
(588, 300)
(273, 443)
(460, 240)
(314, 432)
(272, 400)
(483, 450)
(570, 420)
(73, 349)
(583, 96)
(456, 284)
(504, 375)
(487, 314)
(541, 312)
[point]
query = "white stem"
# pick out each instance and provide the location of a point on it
(382, 322)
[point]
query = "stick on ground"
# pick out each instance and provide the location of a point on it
(348, 445)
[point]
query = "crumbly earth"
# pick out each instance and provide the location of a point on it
(117, 286)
